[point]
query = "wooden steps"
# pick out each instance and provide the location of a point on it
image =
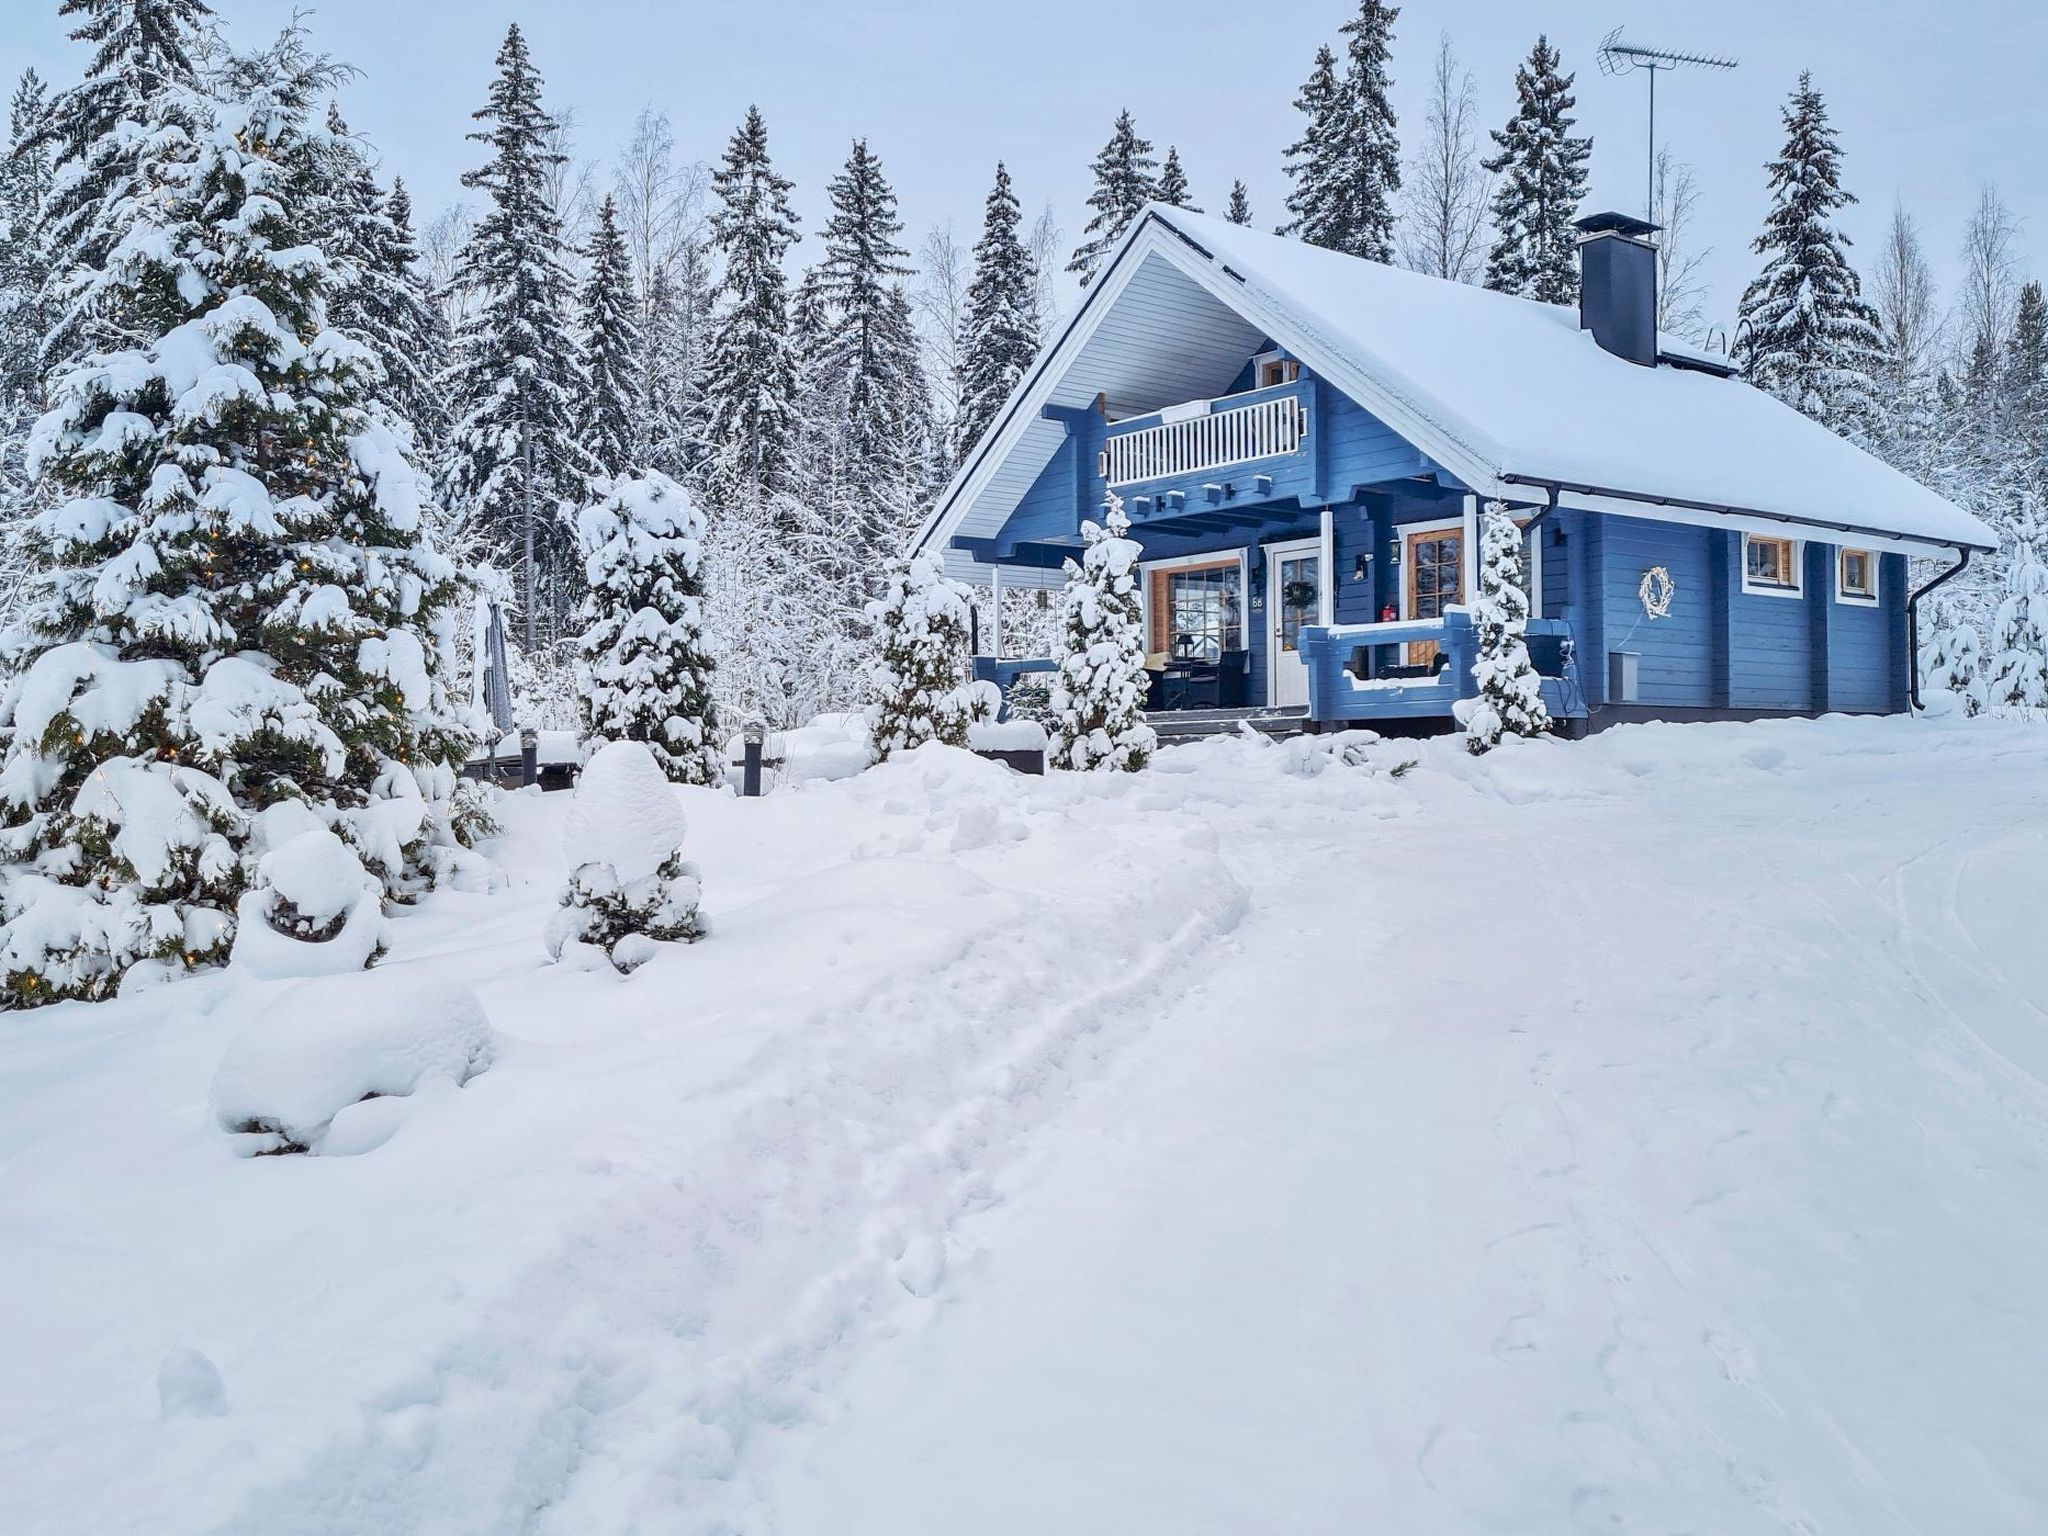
(1174, 725)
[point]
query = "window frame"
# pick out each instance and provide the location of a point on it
(1278, 360)
(1795, 561)
(1219, 559)
(1870, 598)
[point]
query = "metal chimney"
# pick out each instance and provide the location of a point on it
(1618, 285)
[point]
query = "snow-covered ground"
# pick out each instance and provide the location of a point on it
(1640, 1135)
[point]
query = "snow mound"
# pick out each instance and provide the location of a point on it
(188, 1383)
(625, 813)
(332, 1043)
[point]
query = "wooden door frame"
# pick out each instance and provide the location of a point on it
(1274, 554)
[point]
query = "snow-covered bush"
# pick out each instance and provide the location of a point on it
(1098, 694)
(2013, 679)
(235, 603)
(630, 887)
(646, 673)
(1510, 700)
(1951, 662)
(316, 1058)
(922, 632)
(314, 910)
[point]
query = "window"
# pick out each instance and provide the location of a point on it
(1274, 369)
(1197, 611)
(1856, 576)
(1770, 565)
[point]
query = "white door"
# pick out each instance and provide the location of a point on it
(1294, 599)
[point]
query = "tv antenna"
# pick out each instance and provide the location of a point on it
(1618, 58)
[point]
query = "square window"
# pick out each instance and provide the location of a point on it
(1769, 565)
(1856, 576)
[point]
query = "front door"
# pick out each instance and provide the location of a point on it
(1436, 581)
(1294, 599)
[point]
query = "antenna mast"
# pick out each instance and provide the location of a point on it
(1618, 58)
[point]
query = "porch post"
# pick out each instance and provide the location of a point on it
(1469, 583)
(995, 618)
(1326, 562)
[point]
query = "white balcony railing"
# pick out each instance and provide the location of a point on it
(1194, 445)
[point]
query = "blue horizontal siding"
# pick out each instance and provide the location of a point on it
(1677, 651)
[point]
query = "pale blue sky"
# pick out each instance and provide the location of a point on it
(1928, 105)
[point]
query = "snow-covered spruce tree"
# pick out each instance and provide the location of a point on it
(646, 675)
(607, 415)
(1806, 333)
(25, 166)
(236, 616)
(871, 355)
(1951, 657)
(514, 461)
(1239, 210)
(140, 48)
(2014, 678)
(1510, 700)
(1098, 692)
(1124, 183)
(2026, 381)
(630, 888)
(921, 633)
(1173, 183)
(999, 321)
(379, 297)
(1346, 166)
(750, 383)
(1542, 171)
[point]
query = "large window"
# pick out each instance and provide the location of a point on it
(1770, 565)
(1197, 611)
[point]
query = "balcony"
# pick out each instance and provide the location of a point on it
(1265, 434)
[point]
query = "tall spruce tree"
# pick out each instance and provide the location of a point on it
(1346, 166)
(871, 352)
(1806, 333)
(238, 632)
(2026, 381)
(140, 48)
(607, 408)
(25, 166)
(1542, 171)
(750, 385)
(998, 322)
(515, 461)
(379, 295)
(1239, 210)
(646, 673)
(1125, 182)
(1173, 183)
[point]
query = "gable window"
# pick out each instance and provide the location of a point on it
(1197, 610)
(1273, 369)
(1855, 576)
(1770, 565)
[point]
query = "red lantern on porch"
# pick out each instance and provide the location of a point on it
(1387, 614)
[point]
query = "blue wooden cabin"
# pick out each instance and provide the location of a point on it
(1303, 442)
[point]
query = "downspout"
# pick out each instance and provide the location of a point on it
(1913, 625)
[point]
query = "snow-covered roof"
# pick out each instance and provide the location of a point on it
(1508, 394)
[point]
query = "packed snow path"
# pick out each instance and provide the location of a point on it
(1646, 1134)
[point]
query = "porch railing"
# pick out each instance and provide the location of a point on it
(1194, 445)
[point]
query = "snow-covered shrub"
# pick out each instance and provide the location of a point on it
(1098, 693)
(235, 603)
(630, 887)
(922, 632)
(1510, 700)
(646, 673)
(296, 1072)
(1951, 662)
(314, 910)
(2014, 676)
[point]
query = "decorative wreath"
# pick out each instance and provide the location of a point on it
(1656, 590)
